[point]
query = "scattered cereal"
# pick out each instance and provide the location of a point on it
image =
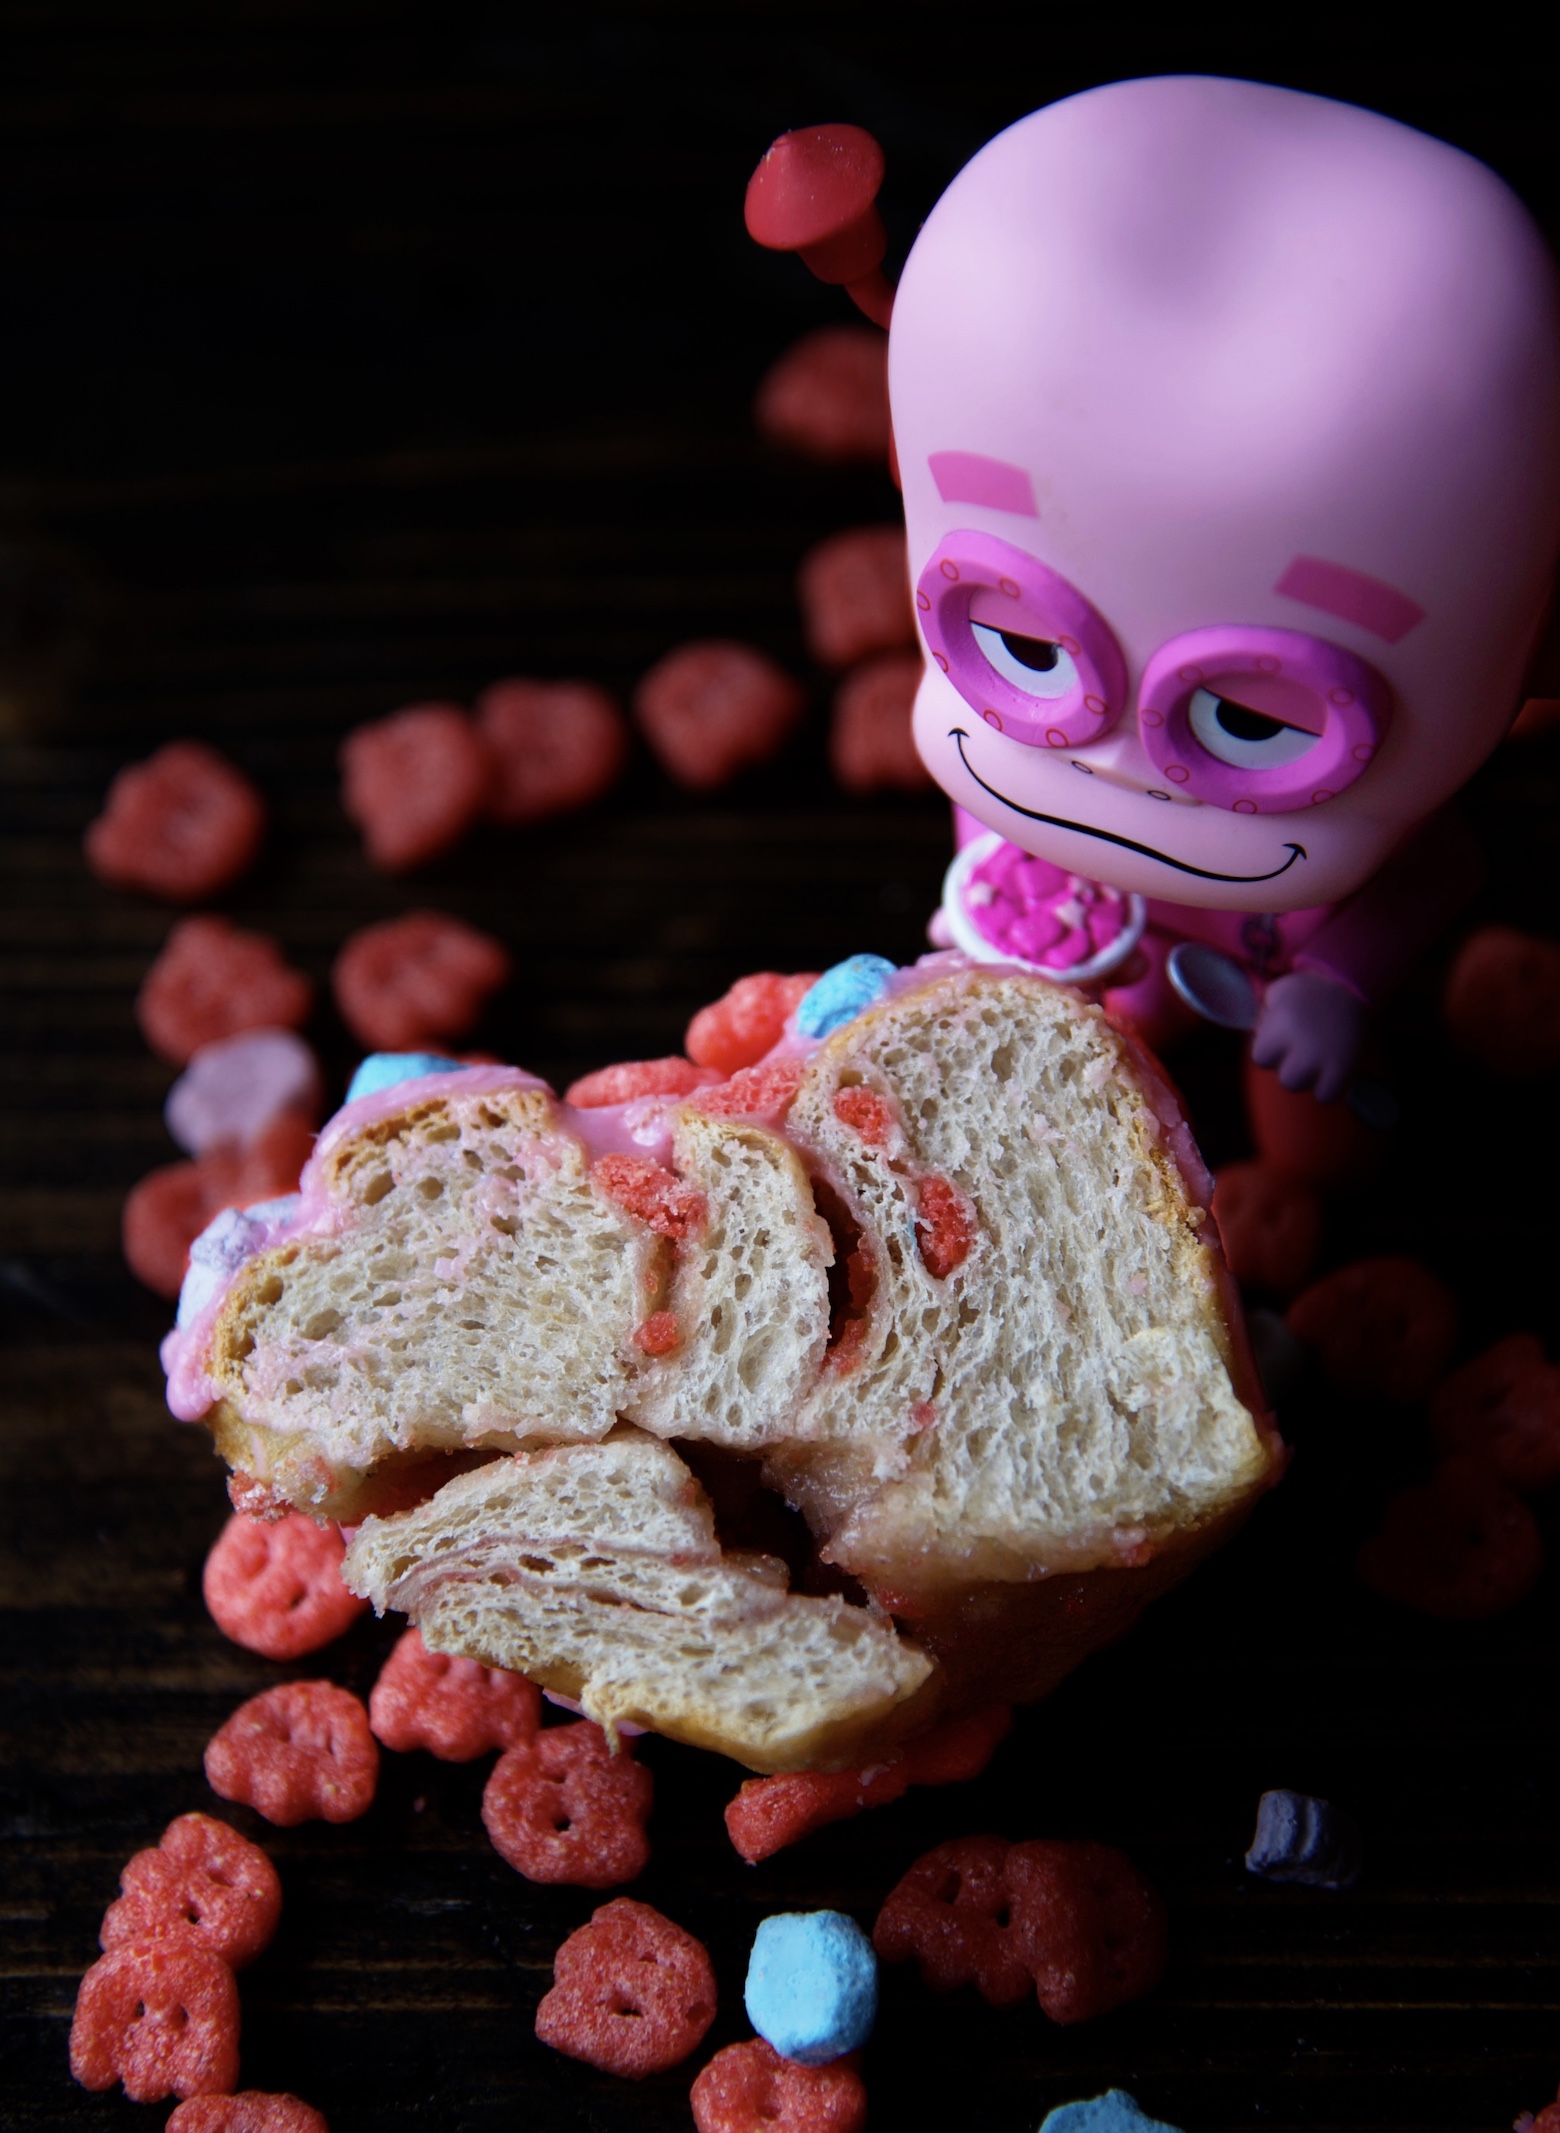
(952, 1913)
(1327, 1145)
(232, 1091)
(812, 1985)
(1094, 1932)
(854, 590)
(749, 2088)
(768, 1813)
(412, 979)
(747, 1021)
(1304, 1840)
(250, 2111)
(202, 1879)
(1504, 1407)
(455, 1708)
(871, 738)
(1270, 1224)
(161, 2016)
(711, 709)
(563, 1807)
(1114, 2112)
(211, 981)
(827, 396)
(181, 825)
(553, 745)
(414, 783)
(1502, 1002)
(1462, 1547)
(1382, 1328)
(632, 1993)
(299, 1753)
(274, 1585)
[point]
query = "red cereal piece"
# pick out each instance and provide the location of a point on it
(747, 1021)
(1270, 1223)
(653, 1194)
(251, 2111)
(563, 1807)
(181, 825)
(554, 745)
(749, 2088)
(274, 1586)
(866, 1113)
(828, 396)
(768, 1813)
(455, 1708)
(159, 2015)
(202, 1879)
(1462, 1547)
(1383, 1328)
(660, 1334)
(638, 1077)
(632, 1993)
(270, 1165)
(415, 981)
(944, 1227)
(162, 1217)
(960, 1749)
(298, 1753)
(871, 745)
(1093, 1933)
(211, 981)
(1504, 1408)
(1325, 1144)
(854, 590)
(762, 1092)
(1502, 1002)
(952, 1914)
(414, 783)
(711, 709)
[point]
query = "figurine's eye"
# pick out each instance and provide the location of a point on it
(1248, 739)
(1033, 664)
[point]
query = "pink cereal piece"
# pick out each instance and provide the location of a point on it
(1504, 1408)
(455, 1708)
(299, 1753)
(554, 745)
(660, 1334)
(632, 1992)
(232, 1090)
(202, 1879)
(416, 980)
(162, 1217)
(944, 1226)
(827, 396)
(1326, 1145)
(768, 1813)
(562, 1807)
(747, 1021)
(1502, 1002)
(713, 708)
(960, 1748)
(871, 745)
(866, 1113)
(633, 1078)
(653, 1194)
(414, 783)
(1463, 1547)
(1382, 1328)
(161, 2016)
(854, 590)
(181, 825)
(210, 981)
(274, 1586)
(749, 2088)
(1270, 1224)
(250, 2111)
(763, 1092)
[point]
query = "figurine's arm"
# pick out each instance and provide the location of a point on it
(1313, 1021)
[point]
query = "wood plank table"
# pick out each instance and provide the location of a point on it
(355, 357)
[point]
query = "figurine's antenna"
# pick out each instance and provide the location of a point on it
(814, 193)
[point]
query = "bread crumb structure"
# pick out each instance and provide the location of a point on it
(946, 1282)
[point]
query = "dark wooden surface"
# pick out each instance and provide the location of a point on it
(355, 354)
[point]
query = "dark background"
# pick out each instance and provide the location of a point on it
(351, 355)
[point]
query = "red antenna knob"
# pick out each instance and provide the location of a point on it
(815, 194)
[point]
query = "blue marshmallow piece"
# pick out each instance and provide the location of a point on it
(811, 1987)
(383, 1070)
(841, 993)
(1114, 2112)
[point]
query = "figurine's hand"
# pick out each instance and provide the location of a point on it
(1310, 1029)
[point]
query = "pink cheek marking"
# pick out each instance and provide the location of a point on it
(992, 719)
(1178, 771)
(971, 478)
(1335, 589)
(924, 602)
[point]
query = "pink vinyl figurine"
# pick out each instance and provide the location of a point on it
(1228, 423)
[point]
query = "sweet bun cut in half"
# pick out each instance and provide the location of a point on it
(948, 1285)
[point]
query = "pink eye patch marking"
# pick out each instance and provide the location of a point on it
(1350, 594)
(971, 478)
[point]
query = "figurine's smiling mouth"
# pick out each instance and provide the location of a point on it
(1130, 844)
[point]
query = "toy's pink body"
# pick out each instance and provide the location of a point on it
(1242, 410)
